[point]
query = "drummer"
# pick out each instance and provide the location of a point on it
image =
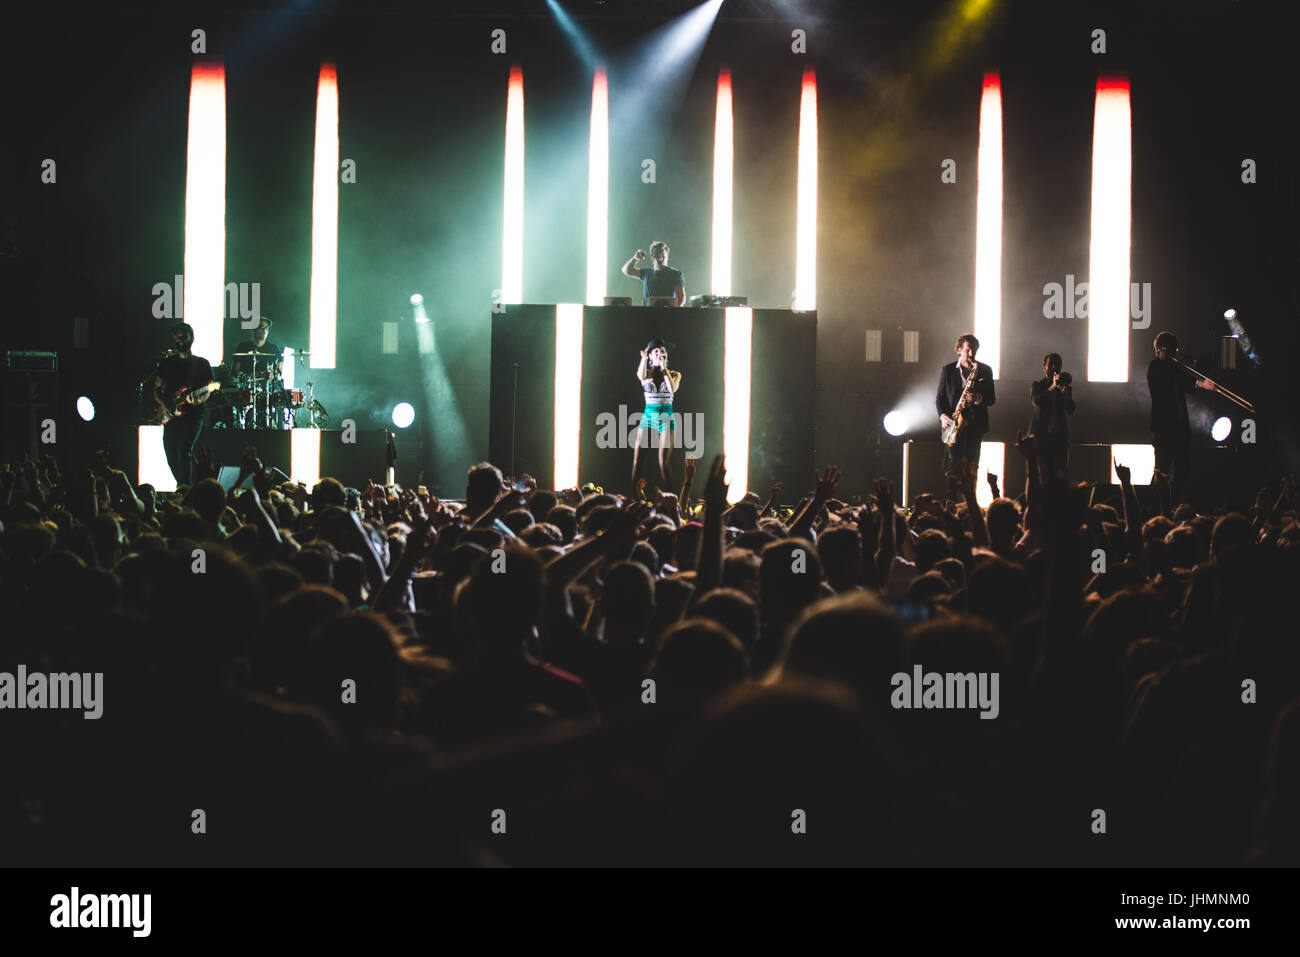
(269, 369)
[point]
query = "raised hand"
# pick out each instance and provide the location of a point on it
(885, 495)
(640, 490)
(690, 469)
(1124, 472)
(773, 489)
(1027, 445)
(826, 483)
(715, 489)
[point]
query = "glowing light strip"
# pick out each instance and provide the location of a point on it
(723, 150)
(568, 392)
(325, 222)
(1108, 255)
(289, 361)
(988, 227)
(304, 456)
(736, 360)
(512, 228)
(153, 468)
(205, 211)
(598, 192)
(805, 257)
(992, 459)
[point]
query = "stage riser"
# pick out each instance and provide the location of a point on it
(349, 462)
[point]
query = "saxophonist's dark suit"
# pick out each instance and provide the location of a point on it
(975, 416)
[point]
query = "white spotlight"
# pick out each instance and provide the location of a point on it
(416, 299)
(1230, 314)
(403, 414)
(85, 409)
(1221, 428)
(895, 422)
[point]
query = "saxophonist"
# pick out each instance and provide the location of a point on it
(965, 394)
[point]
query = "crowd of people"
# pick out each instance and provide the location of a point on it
(340, 676)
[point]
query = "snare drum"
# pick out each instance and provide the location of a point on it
(293, 398)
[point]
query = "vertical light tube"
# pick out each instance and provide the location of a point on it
(568, 392)
(205, 211)
(988, 227)
(805, 257)
(325, 222)
(723, 152)
(304, 456)
(737, 352)
(512, 229)
(152, 467)
(1108, 254)
(598, 191)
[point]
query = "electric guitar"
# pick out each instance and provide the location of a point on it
(182, 398)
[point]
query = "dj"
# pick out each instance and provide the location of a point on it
(662, 280)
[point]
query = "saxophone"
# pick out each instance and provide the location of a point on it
(952, 432)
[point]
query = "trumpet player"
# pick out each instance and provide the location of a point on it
(963, 400)
(1053, 399)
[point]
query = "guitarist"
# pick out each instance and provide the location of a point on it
(181, 373)
(953, 381)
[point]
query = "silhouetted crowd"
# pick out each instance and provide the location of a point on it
(338, 676)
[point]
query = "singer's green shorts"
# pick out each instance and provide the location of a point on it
(658, 418)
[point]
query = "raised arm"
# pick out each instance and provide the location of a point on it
(1132, 517)
(801, 524)
(630, 269)
(886, 546)
(708, 572)
(640, 369)
(968, 476)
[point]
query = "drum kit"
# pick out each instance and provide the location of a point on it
(256, 398)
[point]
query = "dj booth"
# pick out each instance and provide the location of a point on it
(565, 401)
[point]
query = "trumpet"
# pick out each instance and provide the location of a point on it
(1176, 357)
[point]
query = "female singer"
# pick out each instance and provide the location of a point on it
(659, 384)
